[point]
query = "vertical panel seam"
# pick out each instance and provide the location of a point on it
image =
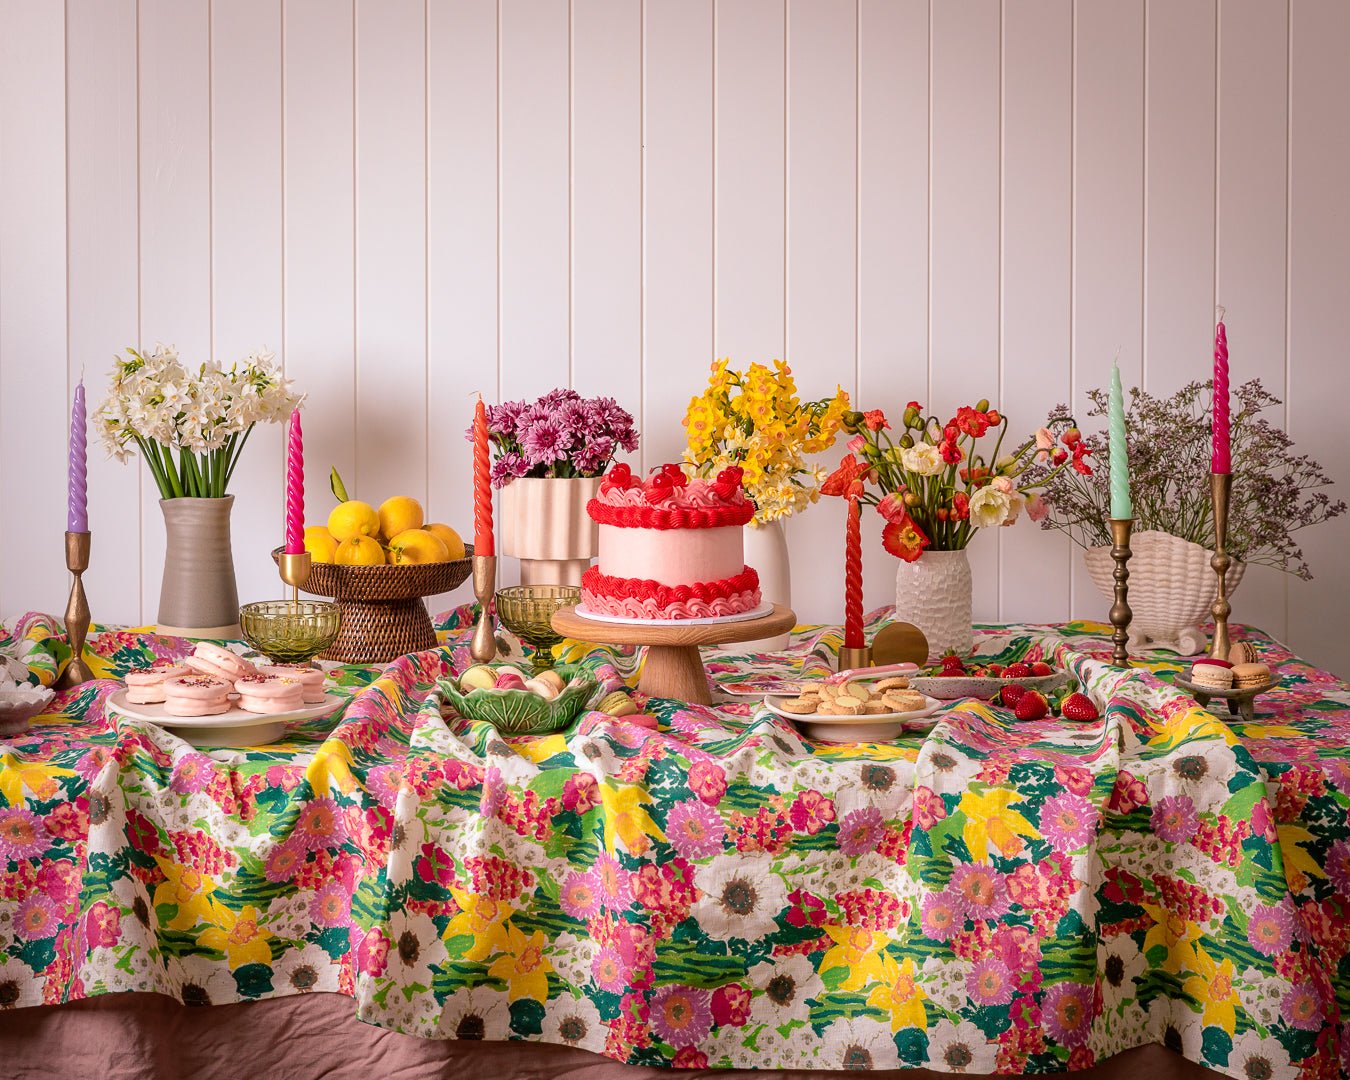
(426, 245)
(787, 135)
(1143, 216)
(715, 8)
(928, 284)
(642, 231)
(1073, 242)
(356, 253)
(1288, 240)
(211, 175)
(140, 289)
(498, 390)
(1002, 254)
(857, 201)
(1218, 187)
(571, 197)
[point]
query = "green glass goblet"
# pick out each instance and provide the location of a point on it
(527, 611)
(290, 631)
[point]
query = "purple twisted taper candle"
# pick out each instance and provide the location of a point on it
(77, 478)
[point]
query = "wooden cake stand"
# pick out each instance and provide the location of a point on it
(673, 668)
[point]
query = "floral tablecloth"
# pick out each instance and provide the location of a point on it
(990, 894)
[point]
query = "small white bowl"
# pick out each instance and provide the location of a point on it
(19, 703)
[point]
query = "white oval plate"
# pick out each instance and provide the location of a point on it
(765, 608)
(234, 728)
(879, 727)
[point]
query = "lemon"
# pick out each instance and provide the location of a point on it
(360, 551)
(451, 539)
(413, 546)
(398, 515)
(353, 518)
(319, 543)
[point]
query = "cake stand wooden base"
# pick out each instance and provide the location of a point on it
(674, 668)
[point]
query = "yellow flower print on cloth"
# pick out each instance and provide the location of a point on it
(900, 995)
(858, 951)
(239, 937)
(38, 777)
(626, 820)
(991, 822)
(522, 966)
(189, 891)
(1212, 986)
(480, 918)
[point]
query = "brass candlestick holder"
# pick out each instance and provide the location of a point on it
(850, 658)
(1220, 487)
(77, 612)
(1120, 610)
(483, 648)
(295, 571)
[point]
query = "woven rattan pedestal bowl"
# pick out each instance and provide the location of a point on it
(383, 616)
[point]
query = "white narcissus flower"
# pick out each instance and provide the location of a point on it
(989, 507)
(923, 459)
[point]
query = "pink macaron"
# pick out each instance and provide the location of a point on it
(310, 678)
(196, 695)
(269, 694)
(219, 663)
(145, 686)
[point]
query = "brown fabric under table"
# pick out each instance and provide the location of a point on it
(318, 1037)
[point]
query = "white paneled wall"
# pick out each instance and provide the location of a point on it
(415, 200)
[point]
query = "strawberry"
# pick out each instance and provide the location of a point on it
(1031, 706)
(1078, 707)
(1010, 693)
(952, 662)
(1040, 667)
(995, 670)
(1017, 671)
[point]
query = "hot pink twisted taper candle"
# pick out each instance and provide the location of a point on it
(1222, 460)
(295, 488)
(853, 583)
(77, 479)
(483, 543)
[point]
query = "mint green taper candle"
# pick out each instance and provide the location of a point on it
(1121, 507)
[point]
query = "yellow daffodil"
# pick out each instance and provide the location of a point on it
(1212, 987)
(482, 919)
(522, 966)
(1193, 723)
(857, 950)
(990, 821)
(189, 891)
(1175, 933)
(537, 750)
(900, 994)
(1270, 731)
(39, 777)
(331, 767)
(625, 818)
(239, 937)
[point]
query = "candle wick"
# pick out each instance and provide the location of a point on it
(1219, 312)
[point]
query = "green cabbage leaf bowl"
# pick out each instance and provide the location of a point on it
(522, 712)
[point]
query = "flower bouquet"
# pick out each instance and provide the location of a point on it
(191, 426)
(550, 455)
(936, 486)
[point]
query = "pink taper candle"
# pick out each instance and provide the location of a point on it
(295, 488)
(77, 480)
(853, 583)
(483, 542)
(1222, 461)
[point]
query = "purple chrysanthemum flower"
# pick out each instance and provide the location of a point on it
(1174, 819)
(191, 773)
(1338, 865)
(1067, 1012)
(860, 831)
(558, 397)
(580, 894)
(1068, 821)
(37, 918)
(608, 970)
(594, 455)
(943, 915)
(545, 443)
(695, 829)
(1302, 1007)
(508, 467)
(990, 982)
(982, 889)
(1270, 929)
(21, 834)
(681, 1015)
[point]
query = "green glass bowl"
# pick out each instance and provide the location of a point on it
(290, 631)
(522, 712)
(527, 611)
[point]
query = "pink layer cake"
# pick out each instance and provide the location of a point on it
(670, 547)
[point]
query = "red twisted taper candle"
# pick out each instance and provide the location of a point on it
(295, 488)
(482, 485)
(853, 583)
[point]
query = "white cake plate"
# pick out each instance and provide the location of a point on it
(234, 728)
(863, 728)
(712, 620)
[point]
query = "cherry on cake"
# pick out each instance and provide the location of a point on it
(670, 547)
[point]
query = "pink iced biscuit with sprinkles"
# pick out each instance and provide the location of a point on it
(310, 678)
(145, 686)
(269, 694)
(219, 663)
(196, 695)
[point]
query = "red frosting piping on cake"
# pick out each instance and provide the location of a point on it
(660, 517)
(606, 587)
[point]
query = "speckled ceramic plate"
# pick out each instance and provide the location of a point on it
(234, 728)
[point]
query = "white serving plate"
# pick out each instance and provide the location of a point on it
(878, 727)
(765, 608)
(234, 728)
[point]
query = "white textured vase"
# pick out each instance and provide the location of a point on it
(1172, 590)
(933, 593)
(546, 527)
(766, 551)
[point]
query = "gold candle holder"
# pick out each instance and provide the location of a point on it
(1220, 487)
(294, 571)
(850, 658)
(77, 612)
(483, 648)
(1121, 615)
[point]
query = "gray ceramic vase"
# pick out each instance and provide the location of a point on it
(198, 597)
